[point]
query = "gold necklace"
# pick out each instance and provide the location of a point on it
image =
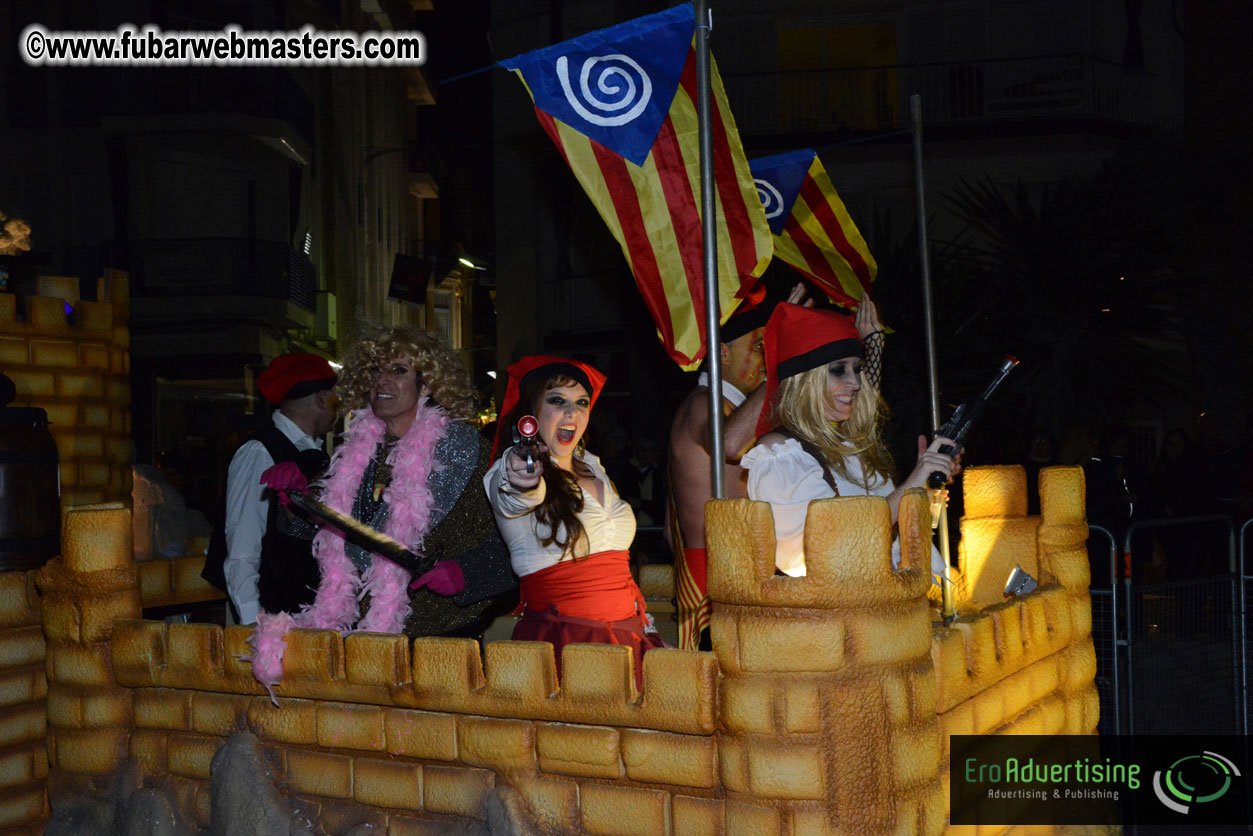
(383, 470)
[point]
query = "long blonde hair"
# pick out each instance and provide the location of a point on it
(800, 408)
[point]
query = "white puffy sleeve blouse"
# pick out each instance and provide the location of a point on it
(787, 477)
(609, 526)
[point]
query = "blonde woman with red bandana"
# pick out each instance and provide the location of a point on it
(821, 427)
(567, 529)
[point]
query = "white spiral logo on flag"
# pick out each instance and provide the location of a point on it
(616, 89)
(771, 200)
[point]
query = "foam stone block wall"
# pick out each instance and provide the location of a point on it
(425, 729)
(84, 593)
(79, 374)
(410, 763)
(828, 721)
(518, 682)
(1026, 665)
(175, 581)
(997, 535)
(23, 712)
(824, 709)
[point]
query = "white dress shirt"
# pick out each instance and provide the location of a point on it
(787, 477)
(247, 513)
(609, 526)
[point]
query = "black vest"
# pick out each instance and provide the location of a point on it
(289, 574)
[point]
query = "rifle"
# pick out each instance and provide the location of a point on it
(964, 418)
(362, 535)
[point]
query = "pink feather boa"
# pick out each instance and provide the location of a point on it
(409, 501)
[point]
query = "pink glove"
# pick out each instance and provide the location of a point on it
(445, 579)
(284, 477)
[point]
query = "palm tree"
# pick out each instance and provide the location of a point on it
(1076, 282)
(963, 352)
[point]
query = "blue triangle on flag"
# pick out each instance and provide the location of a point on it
(614, 85)
(779, 179)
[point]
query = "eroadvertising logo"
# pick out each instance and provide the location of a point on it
(1211, 775)
(1070, 779)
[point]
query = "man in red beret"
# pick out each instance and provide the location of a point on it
(266, 563)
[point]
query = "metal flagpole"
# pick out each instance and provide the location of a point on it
(704, 106)
(933, 377)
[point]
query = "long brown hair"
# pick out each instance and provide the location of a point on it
(563, 498)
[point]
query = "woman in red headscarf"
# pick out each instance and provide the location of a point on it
(567, 529)
(822, 424)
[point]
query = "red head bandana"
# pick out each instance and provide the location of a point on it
(798, 339)
(748, 316)
(294, 376)
(523, 372)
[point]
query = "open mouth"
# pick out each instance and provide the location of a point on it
(565, 435)
(842, 404)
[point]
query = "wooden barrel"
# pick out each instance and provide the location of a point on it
(30, 502)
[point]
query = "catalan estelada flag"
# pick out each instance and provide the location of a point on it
(812, 230)
(691, 571)
(620, 105)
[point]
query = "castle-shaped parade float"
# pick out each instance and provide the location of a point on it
(825, 707)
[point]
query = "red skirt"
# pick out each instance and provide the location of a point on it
(593, 599)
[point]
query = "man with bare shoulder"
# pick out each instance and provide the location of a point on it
(691, 486)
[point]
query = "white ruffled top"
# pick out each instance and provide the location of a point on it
(610, 526)
(787, 477)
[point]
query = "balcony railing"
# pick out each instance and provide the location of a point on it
(863, 99)
(223, 267)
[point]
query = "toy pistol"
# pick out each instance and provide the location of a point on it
(964, 418)
(524, 440)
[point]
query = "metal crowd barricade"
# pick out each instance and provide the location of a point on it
(1173, 639)
(1245, 580)
(1106, 640)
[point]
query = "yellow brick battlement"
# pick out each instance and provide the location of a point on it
(981, 650)
(1026, 665)
(518, 681)
(166, 582)
(77, 372)
(848, 543)
(825, 708)
(827, 684)
(997, 637)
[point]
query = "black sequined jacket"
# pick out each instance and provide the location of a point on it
(462, 529)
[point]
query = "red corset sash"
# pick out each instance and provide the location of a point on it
(598, 587)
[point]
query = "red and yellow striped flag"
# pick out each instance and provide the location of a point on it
(813, 231)
(620, 105)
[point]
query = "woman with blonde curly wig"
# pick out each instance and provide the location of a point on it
(441, 372)
(408, 466)
(822, 425)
